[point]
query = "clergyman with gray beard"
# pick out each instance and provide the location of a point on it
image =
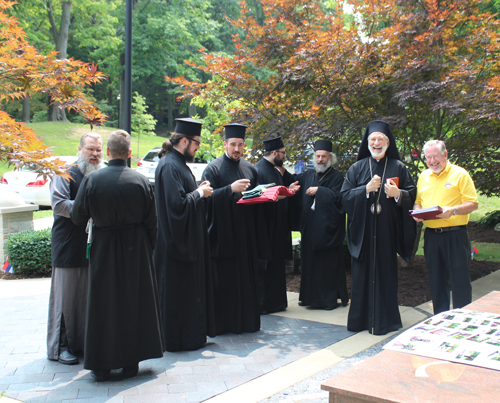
(68, 290)
(377, 193)
(322, 227)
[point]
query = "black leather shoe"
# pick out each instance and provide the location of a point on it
(301, 303)
(100, 375)
(66, 357)
(130, 371)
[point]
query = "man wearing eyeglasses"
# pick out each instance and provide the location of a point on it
(68, 290)
(273, 278)
(447, 246)
(233, 237)
(181, 256)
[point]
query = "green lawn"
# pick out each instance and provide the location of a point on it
(63, 138)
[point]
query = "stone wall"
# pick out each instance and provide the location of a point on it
(12, 221)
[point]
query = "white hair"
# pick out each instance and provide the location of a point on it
(439, 144)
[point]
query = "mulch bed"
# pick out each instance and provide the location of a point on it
(413, 288)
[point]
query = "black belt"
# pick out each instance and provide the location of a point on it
(447, 229)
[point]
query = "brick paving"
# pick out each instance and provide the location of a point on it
(226, 361)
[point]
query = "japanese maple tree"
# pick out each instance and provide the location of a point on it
(430, 68)
(23, 72)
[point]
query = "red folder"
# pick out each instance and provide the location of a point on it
(428, 213)
(269, 195)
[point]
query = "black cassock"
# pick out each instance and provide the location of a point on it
(232, 230)
(396, 232)
(123, 326)
(182, 258)
(279, 238)
(323, 278)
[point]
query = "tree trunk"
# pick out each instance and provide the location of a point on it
(50, 109)
(61, 41)
(191, 109)
(170, 107)
(26, 109)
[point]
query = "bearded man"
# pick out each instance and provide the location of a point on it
(273, 278)
(181, 256)
(68, 289)
(234, 237)
(377, 194)
(322, 227)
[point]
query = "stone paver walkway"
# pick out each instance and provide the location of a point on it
(226, 362)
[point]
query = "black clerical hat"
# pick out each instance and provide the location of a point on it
(234, 130)
(188, 127)
(382, 127)
(325, 145)
(273, 144)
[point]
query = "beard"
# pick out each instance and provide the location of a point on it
(378, 154)
(188, 157)
(320, 168)
(278, 163)
(85, 166)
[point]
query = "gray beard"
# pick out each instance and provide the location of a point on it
(86, 167)
(322, 168)
(381, 155)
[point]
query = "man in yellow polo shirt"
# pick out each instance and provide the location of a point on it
(446, 241)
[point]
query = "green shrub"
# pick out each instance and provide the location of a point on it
(489, 219)
(39, 117)
(29, 251)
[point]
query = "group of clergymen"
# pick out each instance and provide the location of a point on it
(168, 267)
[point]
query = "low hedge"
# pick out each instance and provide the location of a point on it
(489, 219)
(30, 251)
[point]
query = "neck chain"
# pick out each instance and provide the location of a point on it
(329, 169)
(379, 207)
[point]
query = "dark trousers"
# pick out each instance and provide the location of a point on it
(448, 257)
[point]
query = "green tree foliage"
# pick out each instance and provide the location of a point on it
(142, 122)
(430, 68)
(94, 36)
(165, 35)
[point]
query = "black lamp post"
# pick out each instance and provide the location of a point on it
(127, 95)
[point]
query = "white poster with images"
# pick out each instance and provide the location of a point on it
(459, 335)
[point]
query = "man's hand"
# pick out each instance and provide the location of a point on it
(240, 185)
(447, 212)
(417, 207)
(294, 187)
(205, 187)
(391, 189)
(312, 191)
(374, 184)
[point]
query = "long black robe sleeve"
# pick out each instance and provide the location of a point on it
(179, 220)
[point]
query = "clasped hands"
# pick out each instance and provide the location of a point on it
(206, 188)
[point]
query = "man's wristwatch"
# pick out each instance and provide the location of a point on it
(455, 211)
